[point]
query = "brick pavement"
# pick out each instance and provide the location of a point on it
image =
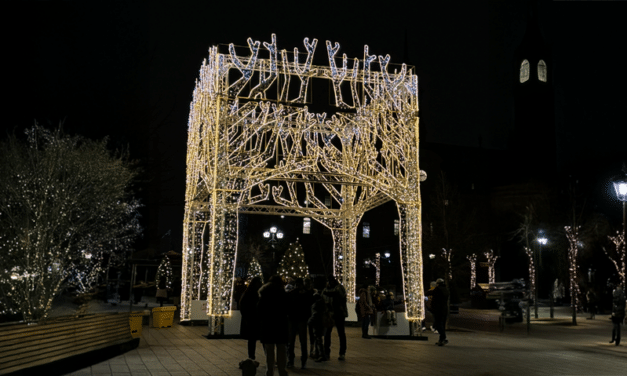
(553, 347)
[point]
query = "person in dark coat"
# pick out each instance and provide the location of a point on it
(299, 301)
(249, 327)
(272, 311)
(312, 339)
(366, 308)
(316, 322)
(439, 309)
(618, 314)
(335, 294)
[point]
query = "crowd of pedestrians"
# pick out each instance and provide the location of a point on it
(277, 312)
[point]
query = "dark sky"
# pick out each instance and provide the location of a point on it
(127, 69)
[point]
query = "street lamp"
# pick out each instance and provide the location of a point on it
(542, 241)
(620, 186)
(273, 235)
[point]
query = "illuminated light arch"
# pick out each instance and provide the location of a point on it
(253, 147)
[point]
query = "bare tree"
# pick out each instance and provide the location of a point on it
(65, 208)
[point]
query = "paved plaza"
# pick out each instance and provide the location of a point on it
(476, 347)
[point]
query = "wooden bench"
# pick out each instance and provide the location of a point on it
(25, 345)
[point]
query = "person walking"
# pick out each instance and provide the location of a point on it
(618, 314)
(365, 310)
(299, 301)
(312, 339)
(249, 326)
(316, 322)
(335, 294)
(439, 302)
(272, 311)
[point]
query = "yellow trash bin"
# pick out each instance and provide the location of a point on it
(162, 317)
(136, 324)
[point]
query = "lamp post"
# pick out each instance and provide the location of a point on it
(620, 186)
(274, 235)
(542, 241)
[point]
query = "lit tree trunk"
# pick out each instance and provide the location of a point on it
(620, 258)
(473, 270)
(573, 238)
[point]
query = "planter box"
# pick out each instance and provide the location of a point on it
(27, 345)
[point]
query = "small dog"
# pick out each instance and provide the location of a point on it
(248, 367)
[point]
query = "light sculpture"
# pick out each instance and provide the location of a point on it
(253, 146)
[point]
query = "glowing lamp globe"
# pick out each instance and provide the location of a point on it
(620, 186)
(266, 234)
(279, 235)
(543, 241)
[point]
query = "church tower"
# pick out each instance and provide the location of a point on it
(533, 138)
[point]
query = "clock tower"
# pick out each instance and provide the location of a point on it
(532, 141)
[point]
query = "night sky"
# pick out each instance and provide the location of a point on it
(127, 69)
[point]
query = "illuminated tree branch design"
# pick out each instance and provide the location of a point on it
(253, 149)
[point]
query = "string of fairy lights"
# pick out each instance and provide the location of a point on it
(252, 140)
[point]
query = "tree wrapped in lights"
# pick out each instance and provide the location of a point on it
(252, 139)
(532, 269)
(164, 270)
(65, 211)
(619, 256)
(473, 270)
(572, 234)
(447, 254)
(293, 263)
(491, 262)
(254, 269)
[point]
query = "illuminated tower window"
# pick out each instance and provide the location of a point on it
(396, 226)
(524, 71)
(306, 225)
(366, 233)
(542, 71)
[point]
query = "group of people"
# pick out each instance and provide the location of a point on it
(275, 312)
